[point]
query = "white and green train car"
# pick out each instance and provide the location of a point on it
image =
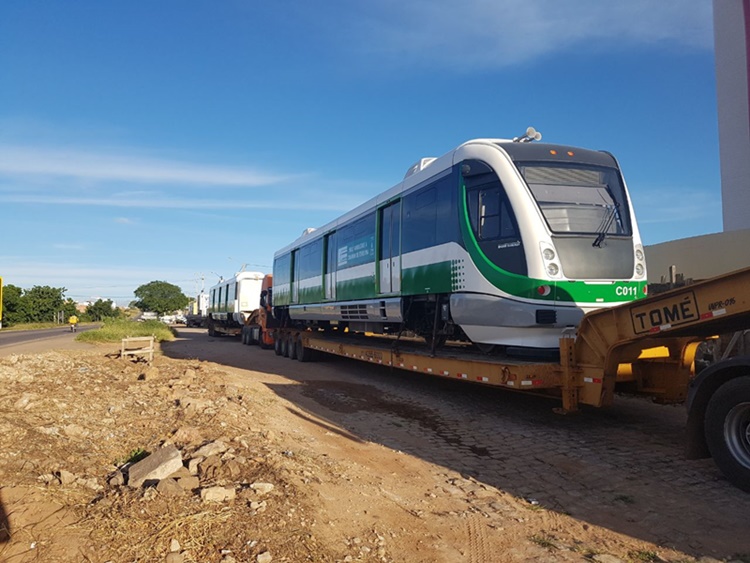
(499, 242)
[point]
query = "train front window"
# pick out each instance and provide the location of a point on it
(579, 199)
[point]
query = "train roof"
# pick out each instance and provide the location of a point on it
(428, 168)
(239, 276)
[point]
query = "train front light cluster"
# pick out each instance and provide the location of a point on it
(640, 261)
(549, 256)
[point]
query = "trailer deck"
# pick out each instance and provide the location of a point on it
(649, 345)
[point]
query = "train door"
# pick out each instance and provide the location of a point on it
(390, 248)
(331, 261)
(295, 276)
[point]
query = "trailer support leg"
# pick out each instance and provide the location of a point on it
(570, 387)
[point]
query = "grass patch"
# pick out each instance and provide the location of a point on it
(541, 541)
(134, 456)
(116, 330)
(643, 556)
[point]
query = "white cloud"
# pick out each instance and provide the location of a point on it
(124, 221)
(84, 282)
(57, 176)
(492, 33)
(87, 165)
(155, 201)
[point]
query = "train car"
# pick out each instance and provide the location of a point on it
(500, 241)
(232, 301)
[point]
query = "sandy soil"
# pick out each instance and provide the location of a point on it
(297, 484)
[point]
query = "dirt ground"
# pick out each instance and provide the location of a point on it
(329, 461)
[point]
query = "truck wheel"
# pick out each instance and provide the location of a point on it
(277, 344)
(304, 354)
(292, 347)
(285, 345)
(728, 430)
(211, 331)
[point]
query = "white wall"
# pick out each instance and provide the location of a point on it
(731, 48)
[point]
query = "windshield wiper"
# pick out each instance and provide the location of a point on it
(605, 225)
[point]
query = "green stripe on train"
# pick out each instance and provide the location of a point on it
(357, 288)
(430, 278)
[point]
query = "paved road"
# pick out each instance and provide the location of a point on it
(33, 341)
(622, 467)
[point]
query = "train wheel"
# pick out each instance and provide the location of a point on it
(728, 430)
(277, 344)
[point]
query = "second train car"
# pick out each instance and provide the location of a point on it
(500, 242)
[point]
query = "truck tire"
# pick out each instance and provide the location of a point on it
(285, 345)
(277, 344)
(727, 427)
(211, 330)
(292, 347)
(304, 354)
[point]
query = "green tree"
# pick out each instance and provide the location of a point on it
(43, 303)
(12, 306)
(160, 297)
(102, 310)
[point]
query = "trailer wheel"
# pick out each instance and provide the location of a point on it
(292, 347)
(728, 430)
(277, 344)
(211, 329)
(285, 345)
(304, 354)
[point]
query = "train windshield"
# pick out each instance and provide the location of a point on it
(579, 198)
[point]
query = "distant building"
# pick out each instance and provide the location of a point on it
(700, 257)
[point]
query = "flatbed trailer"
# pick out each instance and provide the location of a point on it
(648, 346)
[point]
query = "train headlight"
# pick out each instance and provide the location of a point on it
(640, 261)
(553, 269)
(548, 254)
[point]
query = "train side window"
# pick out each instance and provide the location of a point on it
(331, 253)
(495, 220)
(492, 219)
(311, 259)
(430, 215)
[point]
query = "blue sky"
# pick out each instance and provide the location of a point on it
(180, 139)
